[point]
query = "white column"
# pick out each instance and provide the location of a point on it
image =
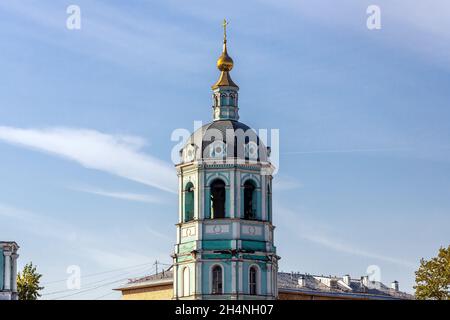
(175, 281)
(198, 279)
(238, 194)
(240, 283)
(7, 275)
(180, 198)
(269, 280)
(199, 198)
(232, 193)
(233, 277)
(196, 193)
(263, 198)
(202, 194)
(14, 272)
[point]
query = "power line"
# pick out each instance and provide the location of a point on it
(90, 289)
(91, 283)
(109, 293)
(96, 287)
(99, 273)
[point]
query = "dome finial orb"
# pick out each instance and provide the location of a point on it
(224, 63)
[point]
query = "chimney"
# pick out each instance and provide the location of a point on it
(301, 281)
(394, 285)
(365, 281)
(346, 279)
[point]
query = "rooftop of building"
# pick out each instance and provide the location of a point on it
(300, 283)
(154, 280)
(334, 285)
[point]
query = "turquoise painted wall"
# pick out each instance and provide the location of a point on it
(216, 244)
(254, 245)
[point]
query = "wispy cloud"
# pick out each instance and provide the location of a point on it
(352, 150)
(319, 234)
(120, 155)
(282, 183)
(138, 197)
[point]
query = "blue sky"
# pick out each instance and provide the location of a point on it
(86, 118)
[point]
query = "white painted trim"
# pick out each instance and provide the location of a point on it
(199, 231)
(14, 256)
(258, 278)
(250, 176)
(232, 193)
(7, 272)
(196, 192)
(201, 195)
(269, 280)
(236, 228)
(240, 277)
(233, 277)
(175, 281)
(238, 183)
(221, 175)
(183, 281)
(198, 280)
(180, 199)
(263, 198)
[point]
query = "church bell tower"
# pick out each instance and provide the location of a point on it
(225, 247)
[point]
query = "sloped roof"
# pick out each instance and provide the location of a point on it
(321, 284)
(289, 282)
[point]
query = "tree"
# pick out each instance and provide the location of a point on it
(433, 277)
(28, 283)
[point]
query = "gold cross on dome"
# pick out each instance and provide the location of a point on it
(225, 23)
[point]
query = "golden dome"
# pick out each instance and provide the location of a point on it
(224, 63)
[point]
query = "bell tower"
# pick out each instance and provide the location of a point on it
(225, 245)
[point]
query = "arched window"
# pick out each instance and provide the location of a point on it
(186, 282)
(232, 100)
(189, 202)
(269, 203)
(223, 99)
(217, 199)
(249, 200)
(253, 274)
(217, 283)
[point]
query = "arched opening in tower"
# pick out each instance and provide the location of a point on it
(249, 200)
(218, 199)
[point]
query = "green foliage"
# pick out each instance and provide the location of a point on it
(28, 283)
(433, 277)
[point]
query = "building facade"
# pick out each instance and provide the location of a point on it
(225, 237)
(225, 247)
(8, 270)
(291, 286)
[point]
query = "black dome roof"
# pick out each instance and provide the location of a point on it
(233, 134)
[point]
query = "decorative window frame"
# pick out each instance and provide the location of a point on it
(211, 278)
(258, 278)
(183, 281)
